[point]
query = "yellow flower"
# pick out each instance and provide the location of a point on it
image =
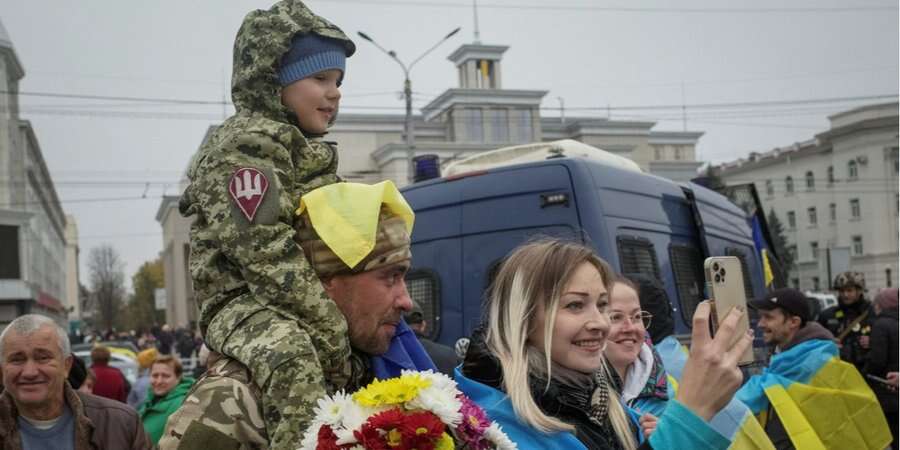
(444, 443)
(392, 391)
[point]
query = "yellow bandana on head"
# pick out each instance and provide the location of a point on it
(345, 216)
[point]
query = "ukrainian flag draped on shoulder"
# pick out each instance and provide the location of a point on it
(823, 402)
(734, 421)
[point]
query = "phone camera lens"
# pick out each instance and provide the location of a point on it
(722, 272)
(715, 267)
(718, 278)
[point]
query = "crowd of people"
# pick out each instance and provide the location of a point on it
(299, 303)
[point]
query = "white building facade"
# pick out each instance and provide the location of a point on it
(32, 222)
(836, 196)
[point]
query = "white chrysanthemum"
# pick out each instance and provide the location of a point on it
(311, 436)
(331, 410)
(496, 435)
(438, 380)
(442, 402)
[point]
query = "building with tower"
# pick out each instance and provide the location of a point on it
(477, 116)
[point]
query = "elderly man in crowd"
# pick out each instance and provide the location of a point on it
(223, 409)
(39, 410)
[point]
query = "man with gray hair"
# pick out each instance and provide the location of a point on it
(39, 410)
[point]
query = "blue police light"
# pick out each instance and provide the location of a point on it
(426, 167)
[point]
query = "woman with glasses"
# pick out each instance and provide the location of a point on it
(638, 371)
(537, 366)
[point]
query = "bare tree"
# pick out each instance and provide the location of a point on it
(107, 276)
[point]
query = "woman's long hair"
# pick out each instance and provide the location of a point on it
(532, 277)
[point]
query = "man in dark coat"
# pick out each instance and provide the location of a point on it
(883, 355)
(443, 356)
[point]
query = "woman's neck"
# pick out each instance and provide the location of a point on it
(621, 369)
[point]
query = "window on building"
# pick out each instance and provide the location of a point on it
(678, 155)
(523, 128)
(9, 257)
(792, 252)
(770, 189)
(810, 181)
(854, 208)
(888, 278)
(832, 212)
(857, 245)
(852, 170)
(473, 124)
(657, 153)
(424, 289)
(815, 283)
(789, 185)
(830, 175)
(795, 283)
(498, 123)
(813, 220)
(792, 220)
(814, 250)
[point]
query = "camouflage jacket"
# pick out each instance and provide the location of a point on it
(223, 410)
(245, 183)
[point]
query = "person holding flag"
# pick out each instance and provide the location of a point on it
(807, 398)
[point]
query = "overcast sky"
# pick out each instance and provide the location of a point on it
(105, 155)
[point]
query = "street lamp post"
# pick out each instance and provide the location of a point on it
(408, 127)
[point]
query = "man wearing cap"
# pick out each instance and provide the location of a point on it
(356, 237)
(851, 319)
(443, 356)
(784, 321)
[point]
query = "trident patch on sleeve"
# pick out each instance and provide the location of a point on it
(248, 187)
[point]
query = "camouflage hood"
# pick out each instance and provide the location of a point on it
(264, 37)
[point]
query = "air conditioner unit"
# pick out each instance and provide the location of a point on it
(862, 159)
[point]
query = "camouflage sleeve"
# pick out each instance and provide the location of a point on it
(222, 411)
(258, 236)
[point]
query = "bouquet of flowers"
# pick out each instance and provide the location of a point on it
(417, 410)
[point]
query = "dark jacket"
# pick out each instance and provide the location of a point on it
(883, 357)
(442, 356)
(773, 426)
(100, 424)
(560, 400)
(837, 318)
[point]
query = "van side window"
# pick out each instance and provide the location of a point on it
(687, 266)
(424, 288)
(742, 256)
(636, 255)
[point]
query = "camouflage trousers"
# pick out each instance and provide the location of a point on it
(280, 355)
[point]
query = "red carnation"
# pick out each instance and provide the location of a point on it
(327, 440)
(370, 438)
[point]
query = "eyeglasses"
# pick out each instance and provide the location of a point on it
(642, 317)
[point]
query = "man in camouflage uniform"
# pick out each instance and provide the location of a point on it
(851, 319)
(260, 301)
(224, 411)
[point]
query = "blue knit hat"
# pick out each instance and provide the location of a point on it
(311, 54)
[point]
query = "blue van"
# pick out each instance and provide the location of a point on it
(468, 221)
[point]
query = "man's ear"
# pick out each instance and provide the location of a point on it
(68, 364)
(329, 285)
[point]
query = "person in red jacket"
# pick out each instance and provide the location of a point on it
(110, 382)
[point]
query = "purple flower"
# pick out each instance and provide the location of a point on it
(474, 423)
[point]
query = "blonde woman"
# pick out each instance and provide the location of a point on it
(537, 367)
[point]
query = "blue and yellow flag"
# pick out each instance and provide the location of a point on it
(735, 421)
(823, 402)
(763, 248)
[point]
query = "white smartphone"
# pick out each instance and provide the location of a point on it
(725, 283)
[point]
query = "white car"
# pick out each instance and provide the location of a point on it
(128, 366)
(820, 301)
